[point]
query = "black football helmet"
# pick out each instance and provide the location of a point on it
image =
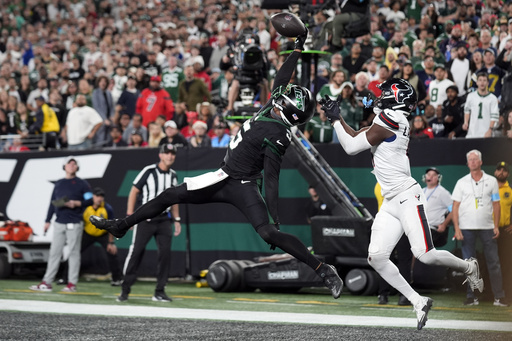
(296, 104)
(397, 94)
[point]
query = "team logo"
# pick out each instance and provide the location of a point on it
(401, 94)
(299, 98)
(417, 197)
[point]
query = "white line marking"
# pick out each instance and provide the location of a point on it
(250, 316)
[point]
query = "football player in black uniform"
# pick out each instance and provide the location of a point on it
(260, 144)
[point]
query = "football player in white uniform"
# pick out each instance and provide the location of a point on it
(403, 209)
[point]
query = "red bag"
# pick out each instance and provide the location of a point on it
(6, 232)
(17, 231)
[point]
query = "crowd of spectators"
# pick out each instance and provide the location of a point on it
(151, 69)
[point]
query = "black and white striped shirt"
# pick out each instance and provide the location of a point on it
(152, 181)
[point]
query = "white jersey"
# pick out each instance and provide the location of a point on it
(482, 110)
(437, 91)
(390, 159)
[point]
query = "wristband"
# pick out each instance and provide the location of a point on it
(178, 219)
(112, 243)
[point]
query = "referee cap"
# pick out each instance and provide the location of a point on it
(167, 148)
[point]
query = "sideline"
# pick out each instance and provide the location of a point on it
(248, 316)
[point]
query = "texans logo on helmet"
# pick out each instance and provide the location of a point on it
(401, 94)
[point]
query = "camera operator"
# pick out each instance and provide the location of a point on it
(351, 22)
(248, 61)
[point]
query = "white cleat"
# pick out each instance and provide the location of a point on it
(473, 276)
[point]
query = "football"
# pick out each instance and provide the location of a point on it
(288, 25)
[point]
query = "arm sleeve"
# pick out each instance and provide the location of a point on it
(351, 145)
(284, 74)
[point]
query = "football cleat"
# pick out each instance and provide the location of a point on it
(473, 276)
(421, 309)
(331, 279)
(112, 226)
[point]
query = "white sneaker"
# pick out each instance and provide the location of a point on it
(473, 276)
(421, 309)
(500, 302)
(43, 286)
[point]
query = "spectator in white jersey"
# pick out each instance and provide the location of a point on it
(403, 209)
(437, 87)
(481, 112)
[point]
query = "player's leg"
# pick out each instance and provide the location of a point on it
(415, 223)
(386, 232)
(163, 241)
(247, 198)
(142, 233)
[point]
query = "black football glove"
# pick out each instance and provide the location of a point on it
(331, 108)
(300, 40)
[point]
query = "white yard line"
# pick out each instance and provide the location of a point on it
(238, 315)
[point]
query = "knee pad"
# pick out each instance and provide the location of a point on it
(268, 233)
(378, 259)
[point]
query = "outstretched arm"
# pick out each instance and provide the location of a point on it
(286, 70)
(353, 142)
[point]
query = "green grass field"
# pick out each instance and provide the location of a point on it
(447, 305)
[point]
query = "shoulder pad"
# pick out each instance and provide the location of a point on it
(388, 119)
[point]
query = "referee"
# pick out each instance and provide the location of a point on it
(150, 182)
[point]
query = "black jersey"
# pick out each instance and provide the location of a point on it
(258, 137)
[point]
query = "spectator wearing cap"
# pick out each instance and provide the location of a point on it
(427, 71)
(103, 103)
(154, 101)
(437, 87)
(200, 138)
(494, 72)
(459, 68)
(70, 195)
(41, 90)
(409, 75)
(46, 123)
(135, 125)
(192, 90)
(173, 135)
(151, 67)
(439, 206)
(120, 77)
(82, 124)
(451, 42)
(199, 72)
(505, 240)
(92, 235)
(128, 100)
(453, 113)
(172, 75)
(221, 138)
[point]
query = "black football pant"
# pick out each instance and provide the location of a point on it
(161, 228)
(245, 195)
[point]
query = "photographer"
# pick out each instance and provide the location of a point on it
(250, 66)
(351, 21)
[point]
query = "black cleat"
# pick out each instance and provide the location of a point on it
(161, 297)
(112, 226)
(422, 310)
(331, 279)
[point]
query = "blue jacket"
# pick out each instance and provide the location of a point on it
(73, 189)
